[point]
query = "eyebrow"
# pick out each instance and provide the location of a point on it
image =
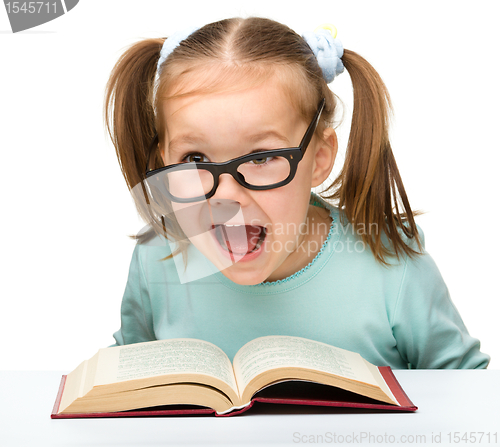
(184, 139)
(262, 136)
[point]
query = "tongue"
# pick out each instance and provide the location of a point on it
(240, 239)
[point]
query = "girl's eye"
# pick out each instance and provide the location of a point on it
(261, 161)
(195, 158)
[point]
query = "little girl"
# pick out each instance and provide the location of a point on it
(221, 134)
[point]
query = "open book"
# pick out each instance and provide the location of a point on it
(184, 376)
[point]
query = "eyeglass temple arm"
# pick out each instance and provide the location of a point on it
(150, 151)
(312, 128)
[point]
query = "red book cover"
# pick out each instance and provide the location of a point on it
(289, 392)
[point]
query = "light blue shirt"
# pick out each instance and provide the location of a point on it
(401, 316)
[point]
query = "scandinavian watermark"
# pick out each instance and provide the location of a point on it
(219, 234)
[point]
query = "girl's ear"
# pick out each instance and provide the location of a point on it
(324, 158)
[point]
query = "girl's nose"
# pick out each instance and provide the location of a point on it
(229, 189)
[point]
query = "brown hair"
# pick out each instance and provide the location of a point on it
(368, 189)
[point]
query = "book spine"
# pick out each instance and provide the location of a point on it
(395, 387)
(57, 403)
(234, 410)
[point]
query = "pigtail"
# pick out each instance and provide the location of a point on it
(129, 110)
(130, 120)
(369, 187)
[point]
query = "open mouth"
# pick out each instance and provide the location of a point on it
(240, 240)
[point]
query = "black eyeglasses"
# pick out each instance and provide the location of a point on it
(259, 171)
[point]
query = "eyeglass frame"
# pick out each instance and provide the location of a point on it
(293, 154)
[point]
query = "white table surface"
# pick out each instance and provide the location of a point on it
(453, 406)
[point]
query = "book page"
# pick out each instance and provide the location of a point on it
(176, 356)
(265, 353)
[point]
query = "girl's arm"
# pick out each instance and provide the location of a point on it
(136, 315)
(428, 328)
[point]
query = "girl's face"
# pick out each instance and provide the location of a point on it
(251, 236)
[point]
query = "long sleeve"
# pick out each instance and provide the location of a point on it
(136, 315)
(428, 328)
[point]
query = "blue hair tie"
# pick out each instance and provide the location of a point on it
(328, 51)
(172, 42)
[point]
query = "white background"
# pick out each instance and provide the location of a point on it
(66, 211)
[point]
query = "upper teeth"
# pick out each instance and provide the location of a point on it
(233, 225)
